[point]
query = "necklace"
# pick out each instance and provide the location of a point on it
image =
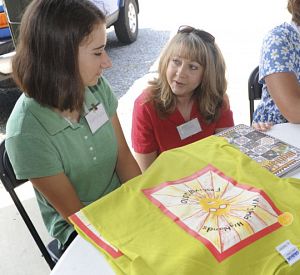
(70, 120)
(70, 117)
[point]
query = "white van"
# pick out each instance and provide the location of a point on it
(122, 14)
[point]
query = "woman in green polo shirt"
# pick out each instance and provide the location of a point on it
(64, 134)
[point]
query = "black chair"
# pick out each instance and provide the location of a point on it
(254, 90)
(8, 178)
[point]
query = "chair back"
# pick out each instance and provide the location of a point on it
(254, 90)
(10, 182)
(8, 177)
(14, 10)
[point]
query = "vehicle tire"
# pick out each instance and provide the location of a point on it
(126, 28)
(9, 94)
(7, 83)
(7, 47)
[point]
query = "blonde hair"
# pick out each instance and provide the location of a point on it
(210, 93)
(293, 7)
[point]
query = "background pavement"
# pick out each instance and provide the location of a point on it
(238, 26)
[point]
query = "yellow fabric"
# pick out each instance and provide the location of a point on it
(152, 243)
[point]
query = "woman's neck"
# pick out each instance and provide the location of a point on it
(184, 106)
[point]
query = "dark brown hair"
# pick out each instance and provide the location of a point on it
(46, 62)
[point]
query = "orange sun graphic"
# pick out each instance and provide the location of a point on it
(221, 213)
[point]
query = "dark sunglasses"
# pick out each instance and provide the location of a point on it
(206, 36)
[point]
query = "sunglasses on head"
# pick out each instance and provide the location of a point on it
(206, 36)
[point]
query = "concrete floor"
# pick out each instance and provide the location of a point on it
(19, 254)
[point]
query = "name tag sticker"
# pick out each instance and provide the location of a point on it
(96, 118)
(289, 252)
(189, 128)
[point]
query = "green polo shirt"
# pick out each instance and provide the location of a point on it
(42, 143)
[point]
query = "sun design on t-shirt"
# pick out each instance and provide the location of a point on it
(221, 213)
(215, 205)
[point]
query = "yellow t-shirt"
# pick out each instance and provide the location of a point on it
(205, 208)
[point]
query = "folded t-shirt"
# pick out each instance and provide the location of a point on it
(205, 208)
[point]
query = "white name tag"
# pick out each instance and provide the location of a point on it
(189, 128)
(96, 118)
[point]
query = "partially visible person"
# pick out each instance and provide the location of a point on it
(64, 134)
(279, 72)
(262, 126)
(186, 102)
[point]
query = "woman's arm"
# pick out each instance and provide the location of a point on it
(284, 88)
(143, 138)
(145, 160)
(226, 116)
(127, 167)
(60, 193)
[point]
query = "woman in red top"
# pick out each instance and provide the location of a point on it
(186, 102)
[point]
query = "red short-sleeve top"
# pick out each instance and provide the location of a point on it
(152, 133)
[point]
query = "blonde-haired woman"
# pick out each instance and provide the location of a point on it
(186, 102)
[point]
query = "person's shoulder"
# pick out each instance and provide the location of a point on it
(144, 102)
(21, 119)
(282, 29)
(145, 96)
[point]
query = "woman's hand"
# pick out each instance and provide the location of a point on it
(145, 160)
(262, 126)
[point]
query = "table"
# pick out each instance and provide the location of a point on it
(289, 133)
(83, 258)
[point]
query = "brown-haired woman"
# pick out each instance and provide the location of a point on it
(64, 134)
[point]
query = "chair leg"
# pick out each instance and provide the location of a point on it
(32, 229)
(54, 251)
(251, 111)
